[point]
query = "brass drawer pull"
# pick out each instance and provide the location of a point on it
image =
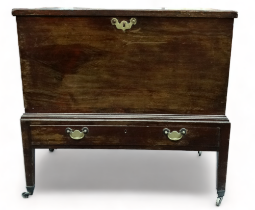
(174, 135)
(76, 134)
(123, 25)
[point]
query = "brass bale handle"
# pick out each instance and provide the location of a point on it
(174, 135)
(123, 25)
(76, 134)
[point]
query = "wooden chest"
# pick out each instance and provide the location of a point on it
(125, 79)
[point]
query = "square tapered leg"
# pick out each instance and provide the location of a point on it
(29, 160)
(222, 160)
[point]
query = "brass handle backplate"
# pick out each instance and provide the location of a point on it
(174, 135)
(76, 134)
(123, 25)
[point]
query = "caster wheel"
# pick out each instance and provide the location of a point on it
(218, 201)
(25, 194)
(199, 153)
(51, 150)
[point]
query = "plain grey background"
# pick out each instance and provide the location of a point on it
(129, 179)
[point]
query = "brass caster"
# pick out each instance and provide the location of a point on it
(51, 150)
(199, 153)
(218, 201)
(25, 194)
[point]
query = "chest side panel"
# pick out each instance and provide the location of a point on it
(160, 65)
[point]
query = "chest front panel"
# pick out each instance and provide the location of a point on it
(161, 65)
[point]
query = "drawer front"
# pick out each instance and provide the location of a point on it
(160, 65)
(112, 135)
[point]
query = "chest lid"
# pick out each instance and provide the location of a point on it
(76, 11)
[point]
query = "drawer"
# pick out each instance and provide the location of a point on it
(101, 136)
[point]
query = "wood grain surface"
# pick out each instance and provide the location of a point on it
(170, 70)
(126, 135)
(55, 11)
(28, 154)
(161, 65)
(125, 131)
(222, 158)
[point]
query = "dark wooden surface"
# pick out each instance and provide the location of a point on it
(205, 133)
(166, 72)
(126, 135)
(28, 153)
(127, 130)
(222, 157)
(161, 65)
(99, 12)
(120, 119)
